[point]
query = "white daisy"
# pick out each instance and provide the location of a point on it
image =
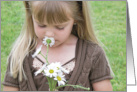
(51, 71)
(60, 79)
(40, 70)
(50, 40)
(64, 70)
(37, 52)
(57, 65)
(60, 68)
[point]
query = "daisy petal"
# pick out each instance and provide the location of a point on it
(37, 52)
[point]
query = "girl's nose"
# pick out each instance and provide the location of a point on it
(49, 33)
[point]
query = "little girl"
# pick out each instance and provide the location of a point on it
(76, 48)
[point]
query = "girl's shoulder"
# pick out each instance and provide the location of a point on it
(93, 49)
(91, 46)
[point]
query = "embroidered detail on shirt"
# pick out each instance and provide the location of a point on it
(70, 66)
(37, 64)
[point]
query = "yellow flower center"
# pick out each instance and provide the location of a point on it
(51, 71)
(57, 68)
(59, 78)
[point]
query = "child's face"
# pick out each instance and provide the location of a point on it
(60, 33)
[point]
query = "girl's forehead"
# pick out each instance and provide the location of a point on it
(52, 12)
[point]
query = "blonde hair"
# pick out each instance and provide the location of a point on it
(53, 12)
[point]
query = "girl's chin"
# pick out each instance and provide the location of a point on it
(56, 45)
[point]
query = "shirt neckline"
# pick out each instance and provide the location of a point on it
(67, 61)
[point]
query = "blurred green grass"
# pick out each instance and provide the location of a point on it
(109, 19)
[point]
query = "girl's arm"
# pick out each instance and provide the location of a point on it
(9, 88)
(104, 85)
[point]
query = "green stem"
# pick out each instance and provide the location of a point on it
(42, 55)
(47, 54)
(55, 82)
(49, 82)
(74, 86)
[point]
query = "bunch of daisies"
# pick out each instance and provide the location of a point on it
(54, 72)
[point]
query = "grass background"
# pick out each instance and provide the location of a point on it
(109, 19)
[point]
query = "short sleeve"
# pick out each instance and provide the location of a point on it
(8, 79)
(100, 70)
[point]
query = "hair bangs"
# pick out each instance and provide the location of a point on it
(51, 13)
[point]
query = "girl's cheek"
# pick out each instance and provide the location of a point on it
(39, 32)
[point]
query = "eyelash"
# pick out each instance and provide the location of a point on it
(41, 26)
(56, 27)
(60, 28)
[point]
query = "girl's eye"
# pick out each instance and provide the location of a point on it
(60, 28)
(42, 26)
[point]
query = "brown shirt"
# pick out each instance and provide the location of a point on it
(91, 66)
(40, 81)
